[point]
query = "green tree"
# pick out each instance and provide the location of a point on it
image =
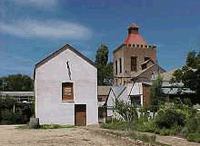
(156, 96)
(189, 74)
(16, 82)
(104, 69)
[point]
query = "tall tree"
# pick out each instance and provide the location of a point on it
(104, 69)
(156, 94)
(16, 82)
(189, 74)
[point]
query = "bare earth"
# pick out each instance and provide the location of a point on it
(88, 136)
(9, 136)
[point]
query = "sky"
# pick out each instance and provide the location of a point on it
(30, 30)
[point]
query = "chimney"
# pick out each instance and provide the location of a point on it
(133, 29)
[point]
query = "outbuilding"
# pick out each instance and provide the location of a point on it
(66, 88)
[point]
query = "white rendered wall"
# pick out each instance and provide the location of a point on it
(48, 89)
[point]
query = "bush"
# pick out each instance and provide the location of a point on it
(11, 118)
(193, 125)
(193, 137)
(125, 111)
(172, 114)
(149, 126)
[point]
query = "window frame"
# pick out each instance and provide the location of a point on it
(120, 65)
(146, 58)
(134, 63)
(65, 99)
(116, 67)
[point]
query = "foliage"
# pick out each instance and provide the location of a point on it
(104, 69)
(189, 74)
(7, 102)
(148, 126)
(11, 118)
(193, 137)
(16, 82)
(193, 125)
(55, 126)
(172, 118)
(126, 111)
(170, 115)
(156, 96)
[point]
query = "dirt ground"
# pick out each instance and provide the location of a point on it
(81, 136)
(9, 136)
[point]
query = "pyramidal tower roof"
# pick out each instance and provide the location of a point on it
(133, 35)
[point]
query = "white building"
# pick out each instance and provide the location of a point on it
(66, 88)
(129, 93)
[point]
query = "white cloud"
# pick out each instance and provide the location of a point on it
(43, 3)
(50, 29)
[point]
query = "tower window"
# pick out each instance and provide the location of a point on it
(116, 67)
(133, 63)
(120, 65)
(144, 66)
(146, 58)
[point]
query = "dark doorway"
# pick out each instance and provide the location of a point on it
(80, 115)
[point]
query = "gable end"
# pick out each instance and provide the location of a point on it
(67, 46)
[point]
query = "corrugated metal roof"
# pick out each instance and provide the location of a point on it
(17, 93)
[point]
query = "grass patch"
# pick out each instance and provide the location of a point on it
(55, 126)
(124, 126)
(47, 126)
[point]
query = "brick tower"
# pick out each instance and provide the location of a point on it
(134, 58)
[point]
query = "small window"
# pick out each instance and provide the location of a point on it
(67, 91)
(144, 66)
(116, 66)
(146, 58)
(133, 63)
(120, 65)
(135, 100)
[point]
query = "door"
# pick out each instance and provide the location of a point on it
(80, 115)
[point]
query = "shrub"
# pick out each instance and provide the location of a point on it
(149, 126)
(169, 118)
(11, 118)
(193, 125)
(193, 137)
(125, 111)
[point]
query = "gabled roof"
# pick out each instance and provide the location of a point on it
(119, 47)
(147, 61)
(146, 69)
(65, 47)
